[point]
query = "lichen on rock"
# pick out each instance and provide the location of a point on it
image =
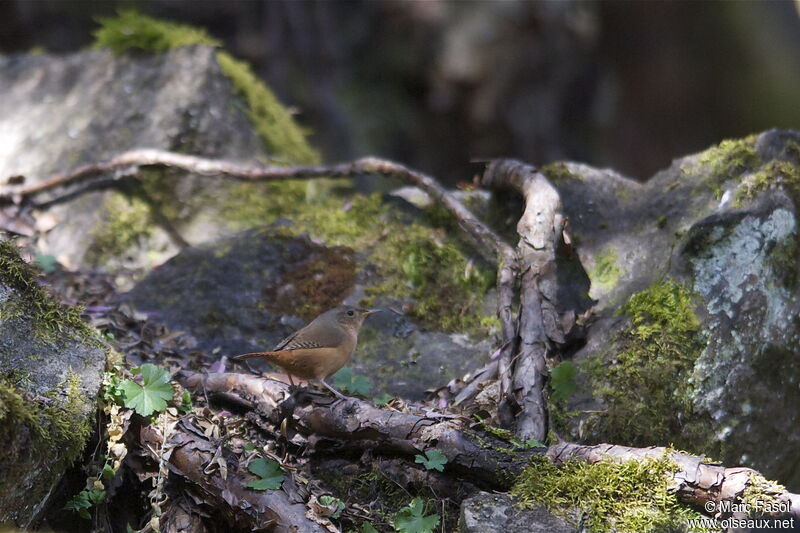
(717, 231)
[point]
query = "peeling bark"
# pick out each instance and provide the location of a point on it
(539, 228)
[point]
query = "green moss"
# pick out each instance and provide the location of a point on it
(606, 271)
(271, 120)
(777, 173)
(425, 263)
(442, 281)
(760, 492)
(728, 160)
(645, 385)
(127, 220)
(57, 422)
(50, 320)
(132, 31)
(556, 172)
(627, 496)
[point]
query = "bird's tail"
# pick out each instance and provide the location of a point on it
(267, 356)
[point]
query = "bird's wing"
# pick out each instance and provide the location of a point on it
(314, 335)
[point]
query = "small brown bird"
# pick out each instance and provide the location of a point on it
(321, 348)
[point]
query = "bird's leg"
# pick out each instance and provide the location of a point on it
(334, 391)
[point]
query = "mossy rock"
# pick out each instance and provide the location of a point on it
(172, 89)
(51, 367)
(248, 291)
(695, 326)
(632, 496)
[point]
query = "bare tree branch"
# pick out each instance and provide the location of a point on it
(489, 243)
(471, 453)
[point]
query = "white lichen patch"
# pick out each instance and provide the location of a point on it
(735, 275)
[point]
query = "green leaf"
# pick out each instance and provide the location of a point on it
(348, 382)
(83, 501)
(96, 496)
(268, 472)
(331, 501)
(383, 399)
(432, 460)
(249, 446)
(343, 378)
(531, 443)
(108, 472)
(562, 380)
(112, 392)
(412, 519)
(361, 386)
(152, 395)
(367, 527)
(46, 262)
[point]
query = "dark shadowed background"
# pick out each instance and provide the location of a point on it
(436, 84)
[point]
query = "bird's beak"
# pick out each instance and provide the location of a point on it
(368, 312)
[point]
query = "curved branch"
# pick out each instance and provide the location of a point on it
(489, 243)
(539, 229)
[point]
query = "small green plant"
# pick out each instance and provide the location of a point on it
(382, 400)
(412, 518)
(46, 262)
(112, 391)
(367, 527)
(108, 472)
(332, 502)
(85, 500)
(269, 474)
(432, 460)
(348, 382)
(562, 380)
(152, 395)
(528, 444)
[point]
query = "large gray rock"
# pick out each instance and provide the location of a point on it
(60, 112)
(490, 513)
(51, 368)
(696, 333)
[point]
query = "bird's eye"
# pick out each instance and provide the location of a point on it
(350, 313)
